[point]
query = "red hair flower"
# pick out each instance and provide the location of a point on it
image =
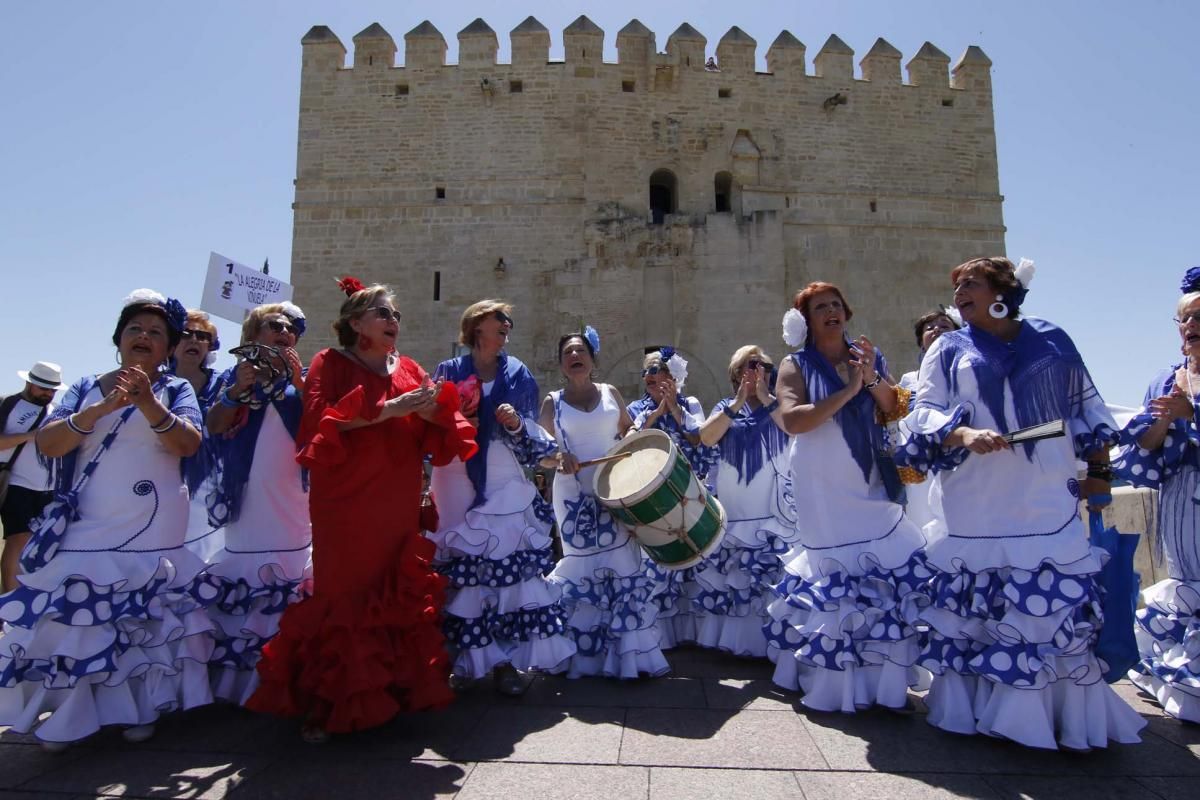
(350, 285)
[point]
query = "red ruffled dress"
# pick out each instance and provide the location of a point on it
(367, 645)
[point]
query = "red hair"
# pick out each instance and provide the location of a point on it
(805, 296)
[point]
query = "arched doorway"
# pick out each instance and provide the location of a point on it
(662, 195)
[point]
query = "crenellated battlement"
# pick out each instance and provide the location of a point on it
(424, 50)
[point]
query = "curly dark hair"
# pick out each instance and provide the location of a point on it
(999, 273)
(133, 309)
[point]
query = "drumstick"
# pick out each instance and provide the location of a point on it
(605, 459)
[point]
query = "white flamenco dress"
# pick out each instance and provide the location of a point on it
(735, 583)
(1015, 608)
(500, 606)
(1168, 628)
(606, 592)
(676, 592)
(204, 535)
(265, 563)
(111, 628)
(841, 628)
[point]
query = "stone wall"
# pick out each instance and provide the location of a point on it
(531, 181)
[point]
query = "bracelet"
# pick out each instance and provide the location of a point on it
(166, 425)
(874, 383)
(71, 424)
(228, 401)
(729, 412)
(770, 407)
(1104, 473)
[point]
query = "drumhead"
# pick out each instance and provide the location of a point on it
(651, 456)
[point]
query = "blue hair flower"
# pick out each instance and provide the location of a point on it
(666, 353)
(1191, 281)
(176, 313)
(593, 339)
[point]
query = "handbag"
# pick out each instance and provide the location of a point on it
(1116, 646)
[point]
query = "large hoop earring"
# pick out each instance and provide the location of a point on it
(998, 310)
(117, 357)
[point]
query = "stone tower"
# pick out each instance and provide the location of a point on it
(664, 199)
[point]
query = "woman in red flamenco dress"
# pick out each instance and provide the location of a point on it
(367, 645)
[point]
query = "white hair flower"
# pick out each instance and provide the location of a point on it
(678, 368)
(1024, 272)
(292, 310)
(144, 296)
(795, 328)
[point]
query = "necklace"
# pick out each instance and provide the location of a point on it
(368, 367)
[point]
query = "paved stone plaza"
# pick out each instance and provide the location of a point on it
(717, 728)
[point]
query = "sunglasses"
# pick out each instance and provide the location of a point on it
(199, 336)
(280, 327)
(505, 318)
(653, 370)
(383, 312)
(754, 363)
(1186, 318)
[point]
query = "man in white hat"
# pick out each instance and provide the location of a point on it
(28, 482)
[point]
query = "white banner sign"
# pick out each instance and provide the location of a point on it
(231, 289)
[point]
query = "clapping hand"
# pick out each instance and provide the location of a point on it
(762, 388)
(862, 355)
(422, 401)
(1173, 406)
(136, 386)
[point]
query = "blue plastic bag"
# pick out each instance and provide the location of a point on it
(1116, 645)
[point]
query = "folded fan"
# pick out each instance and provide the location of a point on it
(1035, 433)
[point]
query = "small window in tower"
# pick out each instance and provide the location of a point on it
(401, 90)
(874, 207)
(627, 86)
(437, 286)
(582, 53)
(723, 93)
(723, 192)
(787, 202)
(948, 102)
(516, 87)
(440, 192)
(370, 60)
(662, 195)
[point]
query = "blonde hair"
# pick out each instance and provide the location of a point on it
(477, 313)
(255, 319)
(741, 356)
(1184, 302)
(199, 319)
(655, 357)
(354, 307)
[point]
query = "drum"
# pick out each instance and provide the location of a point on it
(654, 491)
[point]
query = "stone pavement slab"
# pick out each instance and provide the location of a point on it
(669, 783)
(709, 738)
(718, 728)
(553, 735)
(136, 772)
(499, 781)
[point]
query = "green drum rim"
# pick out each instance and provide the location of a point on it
(701, 534)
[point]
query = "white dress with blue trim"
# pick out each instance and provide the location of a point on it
(496, 554)
(265, 561)
(606, 591)
(841, 626)
(111, 629)
(204, 537)
(676, 591)
(1168, 628)
(924, 499)
(735, 583)
(1015, 606)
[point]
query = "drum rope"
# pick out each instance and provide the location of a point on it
(679, 532)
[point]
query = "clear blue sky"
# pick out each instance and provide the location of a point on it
(138, 136)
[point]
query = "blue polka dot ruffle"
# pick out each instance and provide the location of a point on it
(1172, 628)
(517, 626)
(521, 566)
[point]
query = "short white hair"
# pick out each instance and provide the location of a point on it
(1185, 301)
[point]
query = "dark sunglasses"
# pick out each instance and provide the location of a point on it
(505, 318)
(280, 327)
(652, 370)
(754, 363)
(383, 312)
(199, 336)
